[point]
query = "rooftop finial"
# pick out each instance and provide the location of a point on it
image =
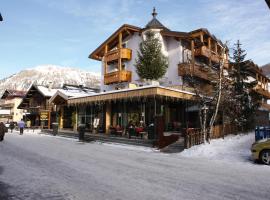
(154, 13)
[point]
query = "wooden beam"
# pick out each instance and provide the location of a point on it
(209, 47)
(119, 47)
(192, 55)
(105, 64)
(201, 37)
(108, 117)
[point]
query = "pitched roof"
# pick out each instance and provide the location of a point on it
(13, 93)
(154, 23)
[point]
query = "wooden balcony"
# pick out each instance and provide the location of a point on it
(117, 77)
(186, 69)
(204, 51)
(266, 106)
(262, 91)
(122, 53)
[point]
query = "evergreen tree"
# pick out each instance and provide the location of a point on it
(243, 101)
(151, 63)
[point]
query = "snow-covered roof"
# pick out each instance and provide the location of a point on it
(138, 88)
(71, 92)
(48, 92)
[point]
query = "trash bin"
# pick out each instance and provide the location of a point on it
(267, 132)
(151, 132)
(81, 130)
(55, 128)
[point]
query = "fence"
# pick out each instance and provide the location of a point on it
(194, 136)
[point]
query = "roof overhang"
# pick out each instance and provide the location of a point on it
(137, 93)
(98, 53)
(58, 98)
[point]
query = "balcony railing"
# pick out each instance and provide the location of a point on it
(122, 53)
(186, 69)
(262, 91)
(117, 77)
(204, 51)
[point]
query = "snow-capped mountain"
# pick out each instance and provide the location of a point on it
(46, 74)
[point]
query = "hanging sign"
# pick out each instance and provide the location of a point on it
(44, 115)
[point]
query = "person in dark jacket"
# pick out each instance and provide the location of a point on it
(11, 126)
(3, 130)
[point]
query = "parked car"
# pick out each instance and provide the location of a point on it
(261, 151)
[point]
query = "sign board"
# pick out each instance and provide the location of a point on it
(96, 122)
(44, 115)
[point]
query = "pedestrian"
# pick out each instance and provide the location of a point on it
(21, 126)
(3, 130)
(11, 126)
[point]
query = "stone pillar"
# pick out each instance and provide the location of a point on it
(108, 113)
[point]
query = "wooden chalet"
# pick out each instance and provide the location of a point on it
(38, 111)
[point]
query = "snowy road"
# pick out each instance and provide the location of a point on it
(39, 167)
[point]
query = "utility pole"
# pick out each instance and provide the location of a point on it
(268, 3)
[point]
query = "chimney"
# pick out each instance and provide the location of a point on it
(50, 85)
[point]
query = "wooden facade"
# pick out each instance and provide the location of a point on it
(36, 105)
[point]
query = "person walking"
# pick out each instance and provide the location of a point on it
(21, 126)
(11, 126)
(3, 130)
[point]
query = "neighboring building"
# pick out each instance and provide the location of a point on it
(10, 100)
(39, 112)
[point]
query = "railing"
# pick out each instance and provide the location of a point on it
(117, 77)
(185, 69)
(262, 91)
(204, 51)
(193, 136)
(122, 53)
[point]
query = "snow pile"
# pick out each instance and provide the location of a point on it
(233, 148)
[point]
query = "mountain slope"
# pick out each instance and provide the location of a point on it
(266, 69)
(46, 74)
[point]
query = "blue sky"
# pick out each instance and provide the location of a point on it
(64, 32)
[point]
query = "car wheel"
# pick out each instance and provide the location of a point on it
(265, 157)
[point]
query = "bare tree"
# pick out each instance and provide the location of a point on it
(209, 102)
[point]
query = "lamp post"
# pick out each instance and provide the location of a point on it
(268, 3)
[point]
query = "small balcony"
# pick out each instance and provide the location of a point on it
(260, 90)
(122, 53)
(117, 77)
(186, 69)
(204, 51)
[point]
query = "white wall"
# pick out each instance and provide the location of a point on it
(170, 48)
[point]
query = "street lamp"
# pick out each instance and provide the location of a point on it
(268, 3)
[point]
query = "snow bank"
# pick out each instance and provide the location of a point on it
(233, 148)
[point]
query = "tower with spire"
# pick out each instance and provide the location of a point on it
(155, 23)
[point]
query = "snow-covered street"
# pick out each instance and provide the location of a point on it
(38, 167)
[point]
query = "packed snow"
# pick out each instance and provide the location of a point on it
(233, 148)
(37, 166)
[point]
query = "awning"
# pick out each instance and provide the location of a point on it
(146, 91)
